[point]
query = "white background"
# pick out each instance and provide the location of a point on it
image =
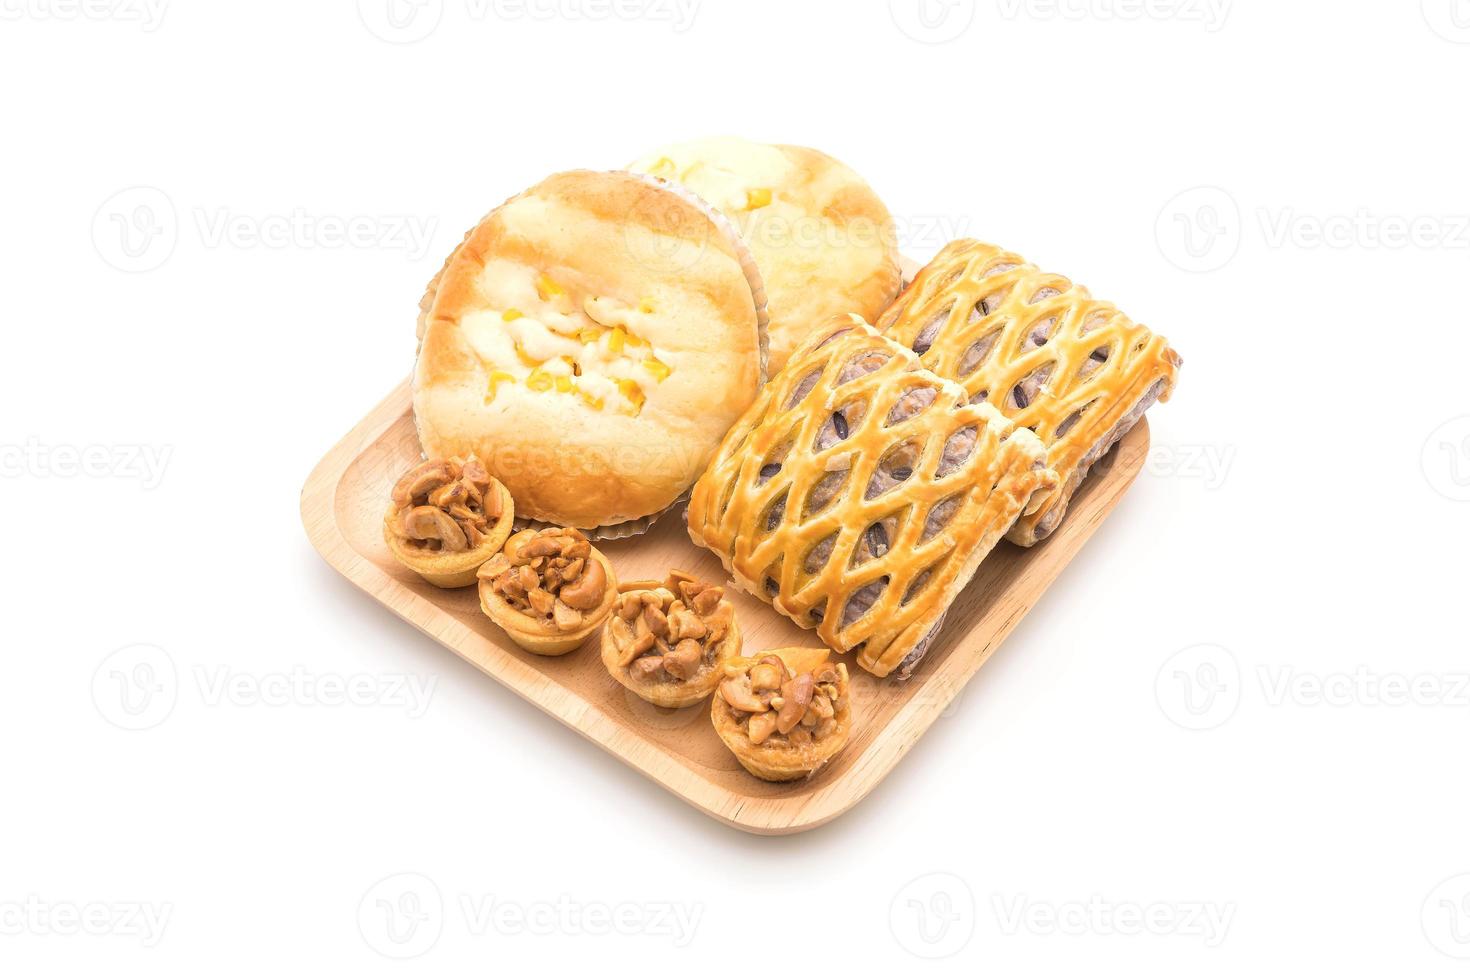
(1204, 727)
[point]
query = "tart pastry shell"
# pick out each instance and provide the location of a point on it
(778, 763)
(671, 694)
(455, 569)
(540, 636)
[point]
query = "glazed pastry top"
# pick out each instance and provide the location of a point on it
(860, 492)
(1034, 345)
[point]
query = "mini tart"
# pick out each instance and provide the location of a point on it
(823, 240)
(592, 339)
(447, 518)
(784, 714)
(549, 589)
(669, 643)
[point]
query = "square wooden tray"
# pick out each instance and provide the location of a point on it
(342, 507)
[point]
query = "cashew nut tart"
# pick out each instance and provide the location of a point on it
(784, 715)
(1039, 348)
(592, 339)
(823, 240)
(860, 492)
(447, 518)
(548, 589)
(669, 643)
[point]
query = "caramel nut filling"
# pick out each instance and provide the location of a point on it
(445, 505)
(552, 577)
(774, 706)
(671, 634)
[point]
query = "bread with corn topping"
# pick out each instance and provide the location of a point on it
(591, 340)
(824, 242)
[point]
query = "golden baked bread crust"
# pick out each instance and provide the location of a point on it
(591, 340)
(1039, 348)
(824, 241)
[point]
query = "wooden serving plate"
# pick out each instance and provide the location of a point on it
(342, 507)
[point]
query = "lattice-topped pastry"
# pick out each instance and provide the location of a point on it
(859, 493)
(1039, 348)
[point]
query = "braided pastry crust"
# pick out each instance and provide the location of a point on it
(859, 493)
(1041, 350)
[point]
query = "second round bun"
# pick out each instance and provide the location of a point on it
(591, 340)
(823, 240)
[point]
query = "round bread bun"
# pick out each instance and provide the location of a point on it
(591, 340)
(824, 242)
